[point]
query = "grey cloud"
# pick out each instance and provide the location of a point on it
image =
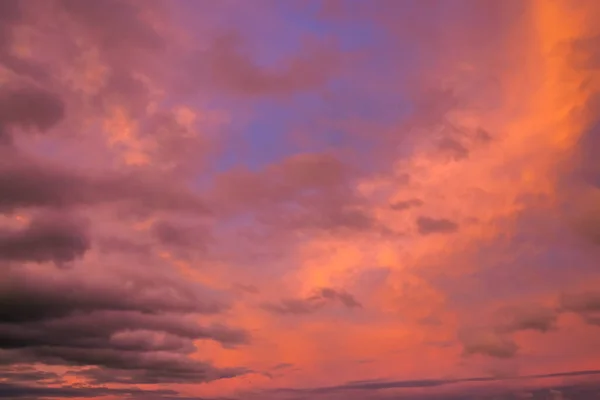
(294, 306)
(21, 391)
(31, 106)
(406, 204)
(281, 366)
(317, 301)
(29, 183)
(454, 147)
(587, 49)
(48, 237)
(428, 225)
(580, 302)
(310, 176)
(137, 329)
(23, 375)
(114, 25)
(120, 330)
(233, 69)
(585, 304)
(373, 387)
(116, 244)
(174, 234)
(309, 191)
(527, 317)
(41, 296)
(246, 288)
(487, 343)
(345, 298)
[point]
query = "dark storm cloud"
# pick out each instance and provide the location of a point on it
(48, 237)
(43, 296)
(136, 329)
(309, 305)
(128, 331)
(428, 225)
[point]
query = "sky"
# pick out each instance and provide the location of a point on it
(300, 199)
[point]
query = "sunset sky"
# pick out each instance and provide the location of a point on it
(300, 199)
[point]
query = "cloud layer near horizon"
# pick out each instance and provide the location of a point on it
(275, 200)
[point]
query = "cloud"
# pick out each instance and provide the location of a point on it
(233, 69)
(29, 107)
(18, 391)
(527, 317)
(44, 295)
(292, 179)
(25, 375)
(429, 225)
(496, 340)
(26, 182)
(580, 302)
(406, 204)
(487, 343)
(584, 303)
(453, 147)
(138, 329)
(170, 233)
(56, 238)
(311, 304)
(375, 385)
(303, 180)
(303, 192)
